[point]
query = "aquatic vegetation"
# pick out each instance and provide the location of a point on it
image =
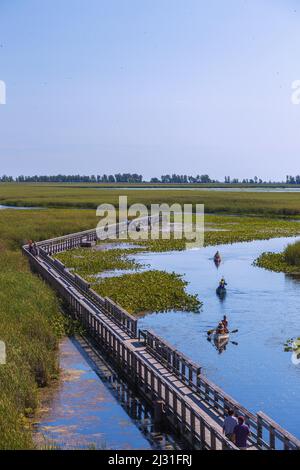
(287, 262)
(272, 262)
(149, 291)
(292, 345)
(89, 262)
(243, 229)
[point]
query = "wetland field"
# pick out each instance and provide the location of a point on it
(31, 320)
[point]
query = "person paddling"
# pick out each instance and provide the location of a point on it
(223, 283)
(220, 330)
(225, 323)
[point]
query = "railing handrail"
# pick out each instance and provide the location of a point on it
(281, 433)
(86, 232)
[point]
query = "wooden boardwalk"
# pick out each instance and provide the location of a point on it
(169, 381)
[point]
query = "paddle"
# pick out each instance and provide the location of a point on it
(210, 332)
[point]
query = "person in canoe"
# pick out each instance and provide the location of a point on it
(220, 329)
(225, 324)
(222, 283)
(217, 258)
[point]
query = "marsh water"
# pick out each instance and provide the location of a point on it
(91, 408)
(262, 305)
(17, 208)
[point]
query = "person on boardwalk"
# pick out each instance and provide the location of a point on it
(30, 246)
(241, 433)
(230, 422)
(34, 249)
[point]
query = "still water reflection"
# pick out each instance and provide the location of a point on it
(95, 410)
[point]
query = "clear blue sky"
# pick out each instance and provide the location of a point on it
(150, 86)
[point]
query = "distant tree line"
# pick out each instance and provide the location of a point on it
(293, 179)
(183, 179)
(117, 178)
(136, 178)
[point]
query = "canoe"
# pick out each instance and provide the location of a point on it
(221, 338)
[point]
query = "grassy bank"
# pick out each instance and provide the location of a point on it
(30, 326)
(30, 320)
(89, 196)
(287, 262)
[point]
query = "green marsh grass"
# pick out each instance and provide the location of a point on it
(30, 319)
(287, 262)
(292, 254)
(90, 196)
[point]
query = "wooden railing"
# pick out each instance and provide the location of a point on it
(122, 318)
(272, 436)
(184, 368)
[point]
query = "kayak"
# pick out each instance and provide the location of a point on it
(221, 291)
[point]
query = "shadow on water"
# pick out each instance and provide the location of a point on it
(93, 408)
(136, 408)
(293, 278)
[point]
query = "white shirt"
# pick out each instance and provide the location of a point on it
(230, 423)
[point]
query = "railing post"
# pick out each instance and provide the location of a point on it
(158, 412)
(212, 439)
(286, 444)
(272, 437)
(259, 430)
(216, 400)
(202, 433)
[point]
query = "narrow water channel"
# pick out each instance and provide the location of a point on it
(91, 408)
(17, 208)
(262, 305)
